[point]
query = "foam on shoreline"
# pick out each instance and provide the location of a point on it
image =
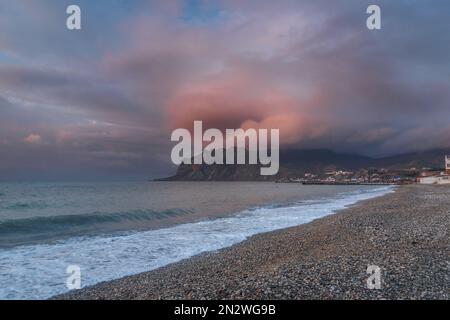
(106, 258)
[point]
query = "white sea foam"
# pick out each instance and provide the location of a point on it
(38, 271)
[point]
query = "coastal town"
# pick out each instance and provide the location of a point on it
(377, 176)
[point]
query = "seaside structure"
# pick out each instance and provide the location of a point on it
(433, 178)
(447, 165)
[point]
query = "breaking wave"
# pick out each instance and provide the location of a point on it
(39, 271)
(16, 231)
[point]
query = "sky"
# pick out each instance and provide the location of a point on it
(101, 102)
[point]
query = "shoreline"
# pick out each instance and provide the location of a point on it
(405, 233)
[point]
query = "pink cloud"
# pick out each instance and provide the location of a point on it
(33, 139)
(243, 99)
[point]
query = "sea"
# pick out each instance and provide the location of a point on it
(109, 230)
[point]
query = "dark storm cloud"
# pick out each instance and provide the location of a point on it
(104, 99)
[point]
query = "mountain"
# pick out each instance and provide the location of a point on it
(295, 163)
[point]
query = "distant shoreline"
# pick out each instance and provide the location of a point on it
(287, 182)
(324, 259)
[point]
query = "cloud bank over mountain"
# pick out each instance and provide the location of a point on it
(102, 101)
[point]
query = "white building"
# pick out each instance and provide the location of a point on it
(447, 164)
(442, 178)
(439, 179)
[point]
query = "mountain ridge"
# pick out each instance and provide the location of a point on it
(296, 162)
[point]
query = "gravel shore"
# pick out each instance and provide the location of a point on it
(405, 233)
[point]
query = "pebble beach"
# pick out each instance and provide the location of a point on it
(405, 234)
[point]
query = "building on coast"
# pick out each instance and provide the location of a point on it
(436, 178)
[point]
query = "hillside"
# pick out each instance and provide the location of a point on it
(295, 163)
